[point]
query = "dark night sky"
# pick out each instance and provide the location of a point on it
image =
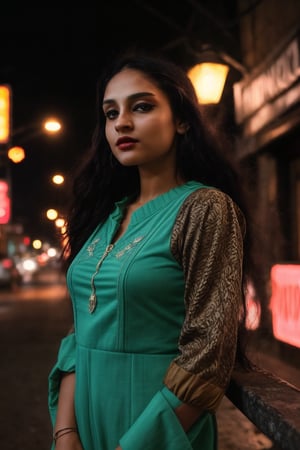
(51, 56)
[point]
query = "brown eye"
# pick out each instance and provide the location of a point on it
(143, 106)
(111, 114)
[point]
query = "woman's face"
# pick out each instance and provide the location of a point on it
(140, 126)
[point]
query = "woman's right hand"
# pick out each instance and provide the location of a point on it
(65, 429)
(69, 441)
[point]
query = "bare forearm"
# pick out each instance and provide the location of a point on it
(65, 431)
(65, 411)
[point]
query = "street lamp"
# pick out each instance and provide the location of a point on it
(58, 179)
(209, 74)
(37, 244)
(60, 222)
(208, 79)
(52, 125)
(17, 153)
(51, 214)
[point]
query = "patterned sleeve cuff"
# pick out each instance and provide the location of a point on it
(190, 388)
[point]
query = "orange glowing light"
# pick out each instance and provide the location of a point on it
(52, 125)
(285, 303)
(208, 79)
(16, 154)
(5, 112)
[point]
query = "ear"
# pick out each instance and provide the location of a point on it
(182, 127)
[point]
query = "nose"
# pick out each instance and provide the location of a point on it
(123, 121)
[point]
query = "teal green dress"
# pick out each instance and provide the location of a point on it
(155, 339)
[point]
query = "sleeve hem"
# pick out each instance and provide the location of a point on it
(191, 388)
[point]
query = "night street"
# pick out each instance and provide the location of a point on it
(92, 135)
(33, 320)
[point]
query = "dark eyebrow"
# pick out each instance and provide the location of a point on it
(131, 97)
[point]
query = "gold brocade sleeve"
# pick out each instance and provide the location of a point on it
(207, 241)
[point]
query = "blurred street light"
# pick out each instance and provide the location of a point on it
(11, 151)
(58, 178)
(16, 154)
(52, 125)
(49, 125)
(37, 244)
(51, 214)
(60, 222)
(58, 215)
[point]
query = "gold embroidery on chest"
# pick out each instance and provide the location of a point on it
(129, 246)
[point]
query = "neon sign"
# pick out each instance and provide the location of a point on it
(285, 303)
(5, 207)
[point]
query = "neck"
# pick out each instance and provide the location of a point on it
(155, 187)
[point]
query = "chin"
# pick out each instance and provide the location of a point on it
(128, 162)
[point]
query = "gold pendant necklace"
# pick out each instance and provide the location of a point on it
(93, 298)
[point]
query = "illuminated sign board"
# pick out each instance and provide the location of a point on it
(5, 113)
(261, 98)
(5, 204)
(285, 303)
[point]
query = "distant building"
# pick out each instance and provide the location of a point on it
(267, 112)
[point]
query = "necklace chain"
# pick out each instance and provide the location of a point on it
(93, 297)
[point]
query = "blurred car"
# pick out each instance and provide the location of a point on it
(9, 274)
(27, 267)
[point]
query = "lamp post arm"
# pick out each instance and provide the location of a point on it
(234, 63)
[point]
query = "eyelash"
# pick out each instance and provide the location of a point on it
(143, 106)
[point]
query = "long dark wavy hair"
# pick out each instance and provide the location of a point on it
(100, 180)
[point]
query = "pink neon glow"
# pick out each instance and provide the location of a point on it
(5, 206)
(285, 302)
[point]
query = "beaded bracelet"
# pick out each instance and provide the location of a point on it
(62, 432)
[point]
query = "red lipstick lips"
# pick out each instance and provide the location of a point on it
(125, 142)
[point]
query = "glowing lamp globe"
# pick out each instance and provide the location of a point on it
(16, 154)
(208, 79)
(52, 214)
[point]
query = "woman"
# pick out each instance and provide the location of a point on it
(155, 272)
